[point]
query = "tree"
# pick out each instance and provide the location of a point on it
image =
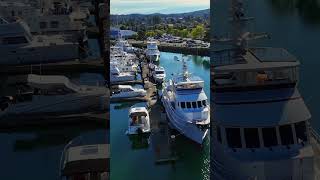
(184, 33)
(198, 32)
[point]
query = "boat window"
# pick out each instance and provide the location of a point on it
(251, 136)
(219, 134)
(204, 102)
(43, 25)
(269, 137)
(188, 104)
(286, 134)
(14, 40)
(233, 137)
(183, 105)
(301, 131)
(199, 104)
(54, 24)
(194, 104)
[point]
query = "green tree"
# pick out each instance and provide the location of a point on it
(198, 32)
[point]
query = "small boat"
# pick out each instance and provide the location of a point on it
(139, 122)
(45, 95)
(86, 157)
(117, 76)
(159, 74)
(152, 52)
(127, 91)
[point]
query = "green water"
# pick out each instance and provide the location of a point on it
(138, 162)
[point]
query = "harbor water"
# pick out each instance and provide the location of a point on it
(137, 159)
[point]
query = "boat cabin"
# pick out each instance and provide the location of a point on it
(256, 68)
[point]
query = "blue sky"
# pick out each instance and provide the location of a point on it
(157, 6)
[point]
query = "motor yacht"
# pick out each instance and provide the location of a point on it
(139, 121)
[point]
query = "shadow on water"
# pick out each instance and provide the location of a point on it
(51, 137)
(308, 10)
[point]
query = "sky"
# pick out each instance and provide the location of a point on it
(157, 6)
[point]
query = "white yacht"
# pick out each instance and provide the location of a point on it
(54, 94)
(87, 157)
(58, 16)
(127, 91)
(261, 123)
(124, 45)
(117, 76)
(123, 61)
(159, 74)
(139, 121)
(18, 46)
(186, 105)
(152, 52)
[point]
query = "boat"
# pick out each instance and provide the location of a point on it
(261, 125)
(186, 105)
(117, 76)
(159, 74)
(18, 46)
(52, 95)
(86, 157)
(127, 91)
(152, 52)
(139, 121)
(124, 45)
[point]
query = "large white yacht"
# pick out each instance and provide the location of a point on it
(47, 95)
(186, 105)
(152, 52)
(261, 126)
(19, 46)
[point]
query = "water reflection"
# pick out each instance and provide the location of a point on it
(308, 10)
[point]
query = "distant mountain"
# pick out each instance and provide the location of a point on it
(202, 13)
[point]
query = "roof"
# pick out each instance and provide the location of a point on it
(263, 110)
(138, 109)
(50, 81)
(124, 87)
(254, 59)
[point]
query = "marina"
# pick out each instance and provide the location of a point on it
(161, 148)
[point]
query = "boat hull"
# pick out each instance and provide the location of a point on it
(189, 130)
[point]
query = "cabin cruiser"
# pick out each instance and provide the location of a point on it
(52, 16)
(19, 46)
(261, 123)
(159, 74)
(139, 121)
(127, 91)
(186, 105)
(87, 157)
(49, 95)
(152, 52)
(117, 76)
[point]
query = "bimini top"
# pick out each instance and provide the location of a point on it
(253, 59)
(266, 111)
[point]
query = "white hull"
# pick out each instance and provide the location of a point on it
(57, 104)
(44, 54)
(260, 167)
(178, 122)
